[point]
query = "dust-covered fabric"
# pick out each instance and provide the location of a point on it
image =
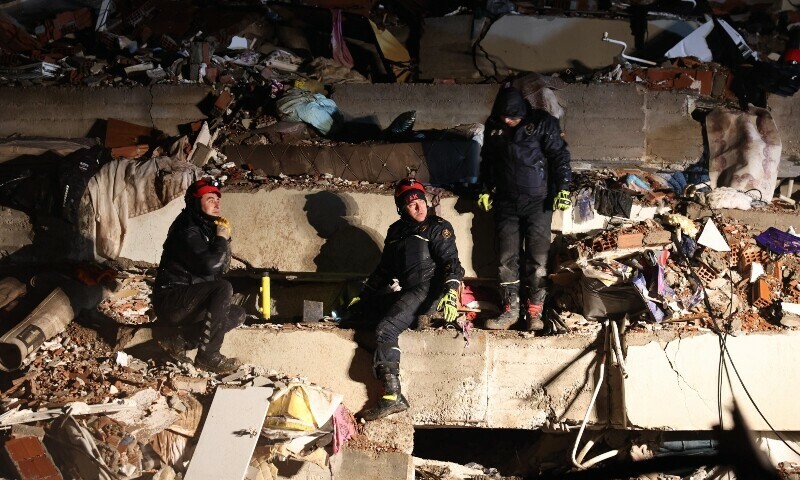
(127, 188)
(744, 150)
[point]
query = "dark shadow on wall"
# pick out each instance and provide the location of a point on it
(349, 247)
(482, 230)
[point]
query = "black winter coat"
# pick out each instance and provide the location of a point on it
(417, 252)
(530, 159)
(193, 253)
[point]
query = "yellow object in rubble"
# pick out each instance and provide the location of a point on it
(291, 411)
(266, 300)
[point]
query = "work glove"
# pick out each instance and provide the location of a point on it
(352, 303)
(484, 202)
(562, 201)
(448, 305)
(223, 228)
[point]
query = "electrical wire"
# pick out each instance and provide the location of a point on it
(723, 337)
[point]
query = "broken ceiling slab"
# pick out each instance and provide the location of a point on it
(230, 434)
(546, 44)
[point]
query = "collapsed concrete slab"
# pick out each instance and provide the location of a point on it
(514, 381)
(497, 381)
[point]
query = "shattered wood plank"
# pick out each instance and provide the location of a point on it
(229, 435)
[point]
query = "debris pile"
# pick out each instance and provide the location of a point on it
(123, 417)
(701, 269)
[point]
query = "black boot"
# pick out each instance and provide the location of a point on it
(175, 348)
(510, 314)
(216, 362)
(392, 400)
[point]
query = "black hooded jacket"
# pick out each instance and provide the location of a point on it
(417, 252)
(530, 159)
(193, 253)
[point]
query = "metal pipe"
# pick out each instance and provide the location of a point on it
(625, 47)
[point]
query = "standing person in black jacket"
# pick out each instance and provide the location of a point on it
(420, 252)
(189, 292)
(526, 173)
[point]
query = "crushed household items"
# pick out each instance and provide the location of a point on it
(636, 257)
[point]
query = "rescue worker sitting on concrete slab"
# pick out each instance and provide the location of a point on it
(526, 175)
(420, 253)
(190, 294)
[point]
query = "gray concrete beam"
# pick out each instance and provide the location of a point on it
(437, 106)
(67, 112)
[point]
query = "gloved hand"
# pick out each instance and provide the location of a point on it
(448, 305)
(484, 202)
(353, 302)
(562, 201)
(223, 228)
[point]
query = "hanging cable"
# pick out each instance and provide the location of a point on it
(723, 337)
(577, 460)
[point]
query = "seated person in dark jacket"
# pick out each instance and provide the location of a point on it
(420, 252)
(189, 292)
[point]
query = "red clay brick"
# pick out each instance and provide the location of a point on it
(30, 459)
(629, 240)
(760, 294)
(706, 78)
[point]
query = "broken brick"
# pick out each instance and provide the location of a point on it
(706, 79)
(629, 240)
(222, 103)
(30, 459)
(760, 295)
(706, 273)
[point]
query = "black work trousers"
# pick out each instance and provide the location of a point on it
(523, 243)
(203, 311)
(408, 304)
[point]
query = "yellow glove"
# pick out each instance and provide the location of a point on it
(449, 305)
(562, 201)
(484, 202)
(353, 302)
(223, 228)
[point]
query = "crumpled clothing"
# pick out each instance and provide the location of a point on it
(641, 284)
(343, 428)
(340, 52)
(316, 110)
(725, 197)
(127, 188)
